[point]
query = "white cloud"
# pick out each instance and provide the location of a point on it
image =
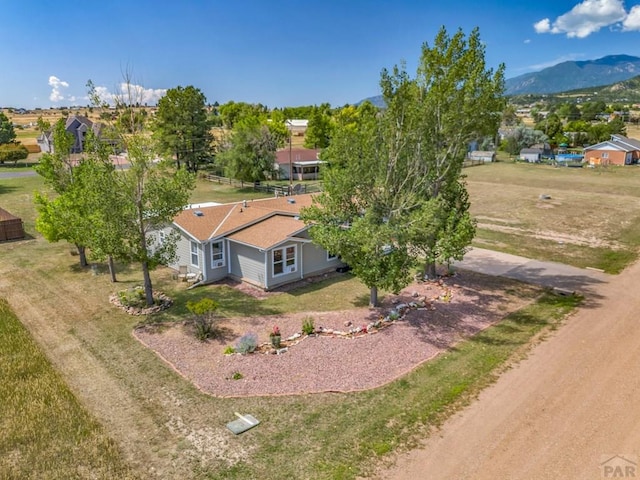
(527, 40)
(56, 86)
(587, 17)
(139, 94)
(632, 22)
(543, 26)
(130, 93)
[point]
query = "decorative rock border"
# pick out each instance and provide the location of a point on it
(398, 313)
(163, 300)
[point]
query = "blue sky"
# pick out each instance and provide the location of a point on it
(280, 52)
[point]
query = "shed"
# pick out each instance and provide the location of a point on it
(11, 227)
(482, 156)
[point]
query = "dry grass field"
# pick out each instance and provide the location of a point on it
(587, 217)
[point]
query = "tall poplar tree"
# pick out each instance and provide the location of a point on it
(394, 192)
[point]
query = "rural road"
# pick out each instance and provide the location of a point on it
(26, 173)
(569, 410)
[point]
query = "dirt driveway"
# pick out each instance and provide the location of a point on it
(570, 410)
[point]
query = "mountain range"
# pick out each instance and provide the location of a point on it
(574, 75)
(567, 76)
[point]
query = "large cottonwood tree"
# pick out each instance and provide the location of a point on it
(395, 185)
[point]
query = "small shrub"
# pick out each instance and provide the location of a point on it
(394, 315)
(237, 376)
(204, 328)
(229, 350)
(203, 318)
(133, 297)
(247, 343)
(307, 326)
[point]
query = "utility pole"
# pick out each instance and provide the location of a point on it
(290, 159)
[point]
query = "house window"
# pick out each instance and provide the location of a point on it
(162, 236)
(331, 256)
(195, 261)
(217, 254)
(284, 260)
(605, 155)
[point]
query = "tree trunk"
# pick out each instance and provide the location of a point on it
(430, 270)
(112, 269)
(148, 288)
(373, 297)
(83, 256)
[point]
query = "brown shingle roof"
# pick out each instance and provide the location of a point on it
(297, 155)
(222, 220)
(269, 232)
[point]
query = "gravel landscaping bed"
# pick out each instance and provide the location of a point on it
(455, 308)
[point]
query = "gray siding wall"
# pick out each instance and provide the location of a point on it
(283, 278)
(183, 255)
(315, 260)
(247, 263)
(214, 274)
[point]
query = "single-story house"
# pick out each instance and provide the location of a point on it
(618, 150)
(261, 242)
(305, 163)
(481, 156)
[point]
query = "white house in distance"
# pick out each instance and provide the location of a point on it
(297, 127)
(305, 163)
(261, 242)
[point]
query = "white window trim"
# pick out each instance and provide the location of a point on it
(218, 262)
(194, 250)
(331, 256)
(286, 269)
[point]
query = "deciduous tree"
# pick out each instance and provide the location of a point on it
(250, 153)
(394, 194)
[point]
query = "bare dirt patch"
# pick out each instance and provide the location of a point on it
(457, 308)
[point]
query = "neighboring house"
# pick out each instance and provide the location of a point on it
(618, 150)
(305, 163)
(78, 126)
(261, 242)
(536, 152)
(481, 156)
(532, 155)
(297, 127)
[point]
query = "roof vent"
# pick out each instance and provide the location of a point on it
(198, 213)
